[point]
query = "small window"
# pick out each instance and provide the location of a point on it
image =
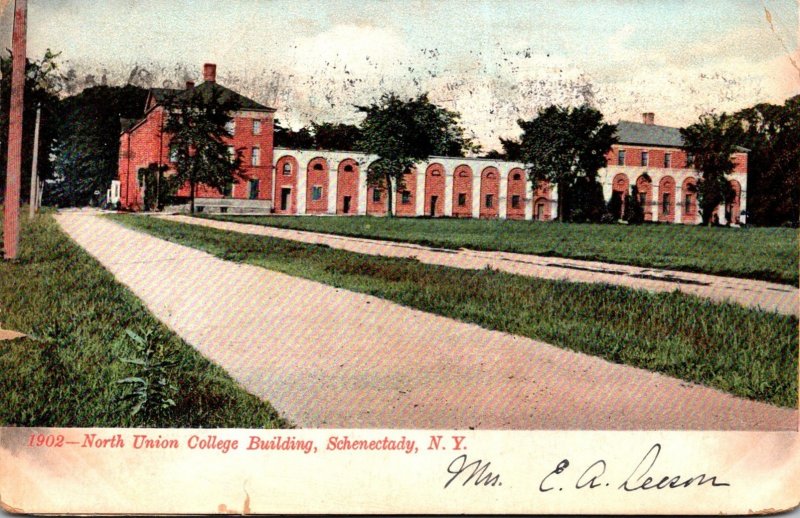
(665, 203)
(317, 167)
(173, 155)
(253, 189)
(287, 169)
(256, 157)
(256, 127)
(515, 199)
(462, 199)
(489, 201)
(376, 195)
(231, 153)
(230, 127)
(316, 193)
(687, 206)
(436, 172)
(490, 175)
(668, 160)
(621, 157)
(645, 158)
(348, 168)
(405, 197)
(517, 176)
(463, 174)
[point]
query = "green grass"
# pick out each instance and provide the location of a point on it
(742, 351)
(76, 315)
(756, 253)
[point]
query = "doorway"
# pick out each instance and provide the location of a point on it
(434, 199)
(286, 193)
(346, 204)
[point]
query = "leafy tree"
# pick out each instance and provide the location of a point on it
(339, 137)
(772, 134)
(197, 124)
(42, 85)
(288, 138)
(712, 142)
(561, 145)
(87, 144)
(511, 151)
(402, 133)
(158, 187)
(584, 202)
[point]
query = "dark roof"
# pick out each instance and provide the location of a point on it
(648, 134)
(225, 95)
(653, 135)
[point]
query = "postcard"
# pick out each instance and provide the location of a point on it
(382, 257)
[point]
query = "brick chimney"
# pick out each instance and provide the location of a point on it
(210, 73)
(189, 85)
(649, 118)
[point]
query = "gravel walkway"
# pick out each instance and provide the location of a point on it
(331, 358)
(752, 293)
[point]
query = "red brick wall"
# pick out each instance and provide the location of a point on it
(541, 196)
(347, 185)
(377, 208)
(317, 175)
(516, 187)
(409, 185)
(490, 186)
(462, 183)
(740, 162)
(633, 156)
(286, 181)
(434, 186)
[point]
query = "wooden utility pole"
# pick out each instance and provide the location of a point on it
(14, 166)
(33, 202)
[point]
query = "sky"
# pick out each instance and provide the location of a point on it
(493, 61)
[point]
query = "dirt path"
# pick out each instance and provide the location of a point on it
(326, 357)
(758, 294)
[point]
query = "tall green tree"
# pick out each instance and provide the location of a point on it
(404, 132)
(87, 141)
(43, 82)
(562, 145)
(711, 142)
(772, 134)
(197, 123)
(336, 136)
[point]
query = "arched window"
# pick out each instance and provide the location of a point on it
(517, 176)
(348, 168)
(287, 168)
(463, 174)
(318, 167)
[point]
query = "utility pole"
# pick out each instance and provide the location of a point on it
(14, 166)
(33, 202)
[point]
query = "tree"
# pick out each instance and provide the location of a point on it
(197, 123)
(87, 141)
(288, 138)
(772, 134)
(561, 145)
(402, 133)
(158, 188)
(511, 151)
(711, 142)
(42, 84)
(339, 137)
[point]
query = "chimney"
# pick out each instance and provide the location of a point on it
(210, 73)
(189, 85)
(649, 118)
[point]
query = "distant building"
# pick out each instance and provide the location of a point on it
(648, 162)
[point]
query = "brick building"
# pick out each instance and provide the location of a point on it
(648, 161)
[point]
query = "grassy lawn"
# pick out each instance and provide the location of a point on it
(68, 374)
(746, 352)
(757, 253)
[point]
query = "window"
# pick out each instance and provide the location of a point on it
(376, 195)
(230, 127)
(316, 193)
(689, 159)
(287, 169)
(228, 189)
(256, 157)
(665, 203)
(317, 167)
(687, 206)
(231, 153)
(256, 127)
(406, 197)
(516, 176)
(173, 155)
(253, 189)
(489, 201)
(462, 199)
(645, 158)
(515, 201)
(348, 168)
(667, 160)
(621, 157)
(436, 172)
